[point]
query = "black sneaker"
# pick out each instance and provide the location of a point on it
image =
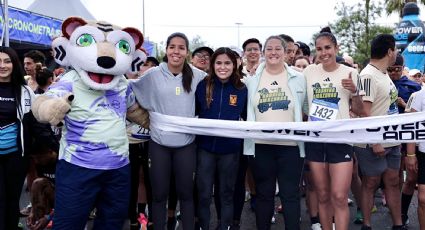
(134, 225)
(405, 220)
(172, 223)
(398, 227)
(235, 227)
(364, 227)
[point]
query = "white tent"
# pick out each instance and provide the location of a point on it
(60, 9)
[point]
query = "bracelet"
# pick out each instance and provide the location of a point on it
(411, 155)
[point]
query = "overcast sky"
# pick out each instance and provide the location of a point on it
(215, 20)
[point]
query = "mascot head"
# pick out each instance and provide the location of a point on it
(100, 52)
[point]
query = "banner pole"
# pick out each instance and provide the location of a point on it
(6, 23)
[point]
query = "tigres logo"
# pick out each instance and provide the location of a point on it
(233, 100)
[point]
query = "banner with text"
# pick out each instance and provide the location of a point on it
(392, 129)
(28, 27)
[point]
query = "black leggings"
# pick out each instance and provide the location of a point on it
(139, 158)
(239, 192)
(182, 162)
(13, 168)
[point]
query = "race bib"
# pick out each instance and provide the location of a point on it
(139, 132)
(323, 111)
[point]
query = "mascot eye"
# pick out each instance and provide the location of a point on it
(123, 46)
(85, 40)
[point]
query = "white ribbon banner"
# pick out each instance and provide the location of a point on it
(401, 128)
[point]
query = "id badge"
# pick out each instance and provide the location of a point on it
(323, 111)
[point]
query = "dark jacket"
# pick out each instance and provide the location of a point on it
(405, 88)
(228, 103)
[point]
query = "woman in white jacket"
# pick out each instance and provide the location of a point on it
(18, 129)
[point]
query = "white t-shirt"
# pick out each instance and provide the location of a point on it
(327, 98)
(418, 104)
(273, 102)
(381, 91)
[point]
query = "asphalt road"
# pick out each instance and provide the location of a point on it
(381, 219)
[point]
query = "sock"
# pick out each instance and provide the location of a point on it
(314, 220)
(141, 208)
(405, 203)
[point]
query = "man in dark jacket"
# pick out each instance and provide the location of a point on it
(404, 86)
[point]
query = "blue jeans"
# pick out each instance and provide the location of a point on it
(226, 167)
(79, 190)
(283, 163)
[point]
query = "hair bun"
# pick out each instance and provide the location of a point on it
(326, 29)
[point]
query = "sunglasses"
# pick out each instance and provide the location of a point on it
(204, 56)
(395, 69)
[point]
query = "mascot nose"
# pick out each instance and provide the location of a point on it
(106, 62)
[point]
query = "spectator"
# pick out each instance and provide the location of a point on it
(201, 58)
(31, 58)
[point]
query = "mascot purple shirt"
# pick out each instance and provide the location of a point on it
(91, 103)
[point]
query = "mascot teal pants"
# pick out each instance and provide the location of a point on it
(79, 190)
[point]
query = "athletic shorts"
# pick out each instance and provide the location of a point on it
(328, 152)
(373, 165)
(421, 167)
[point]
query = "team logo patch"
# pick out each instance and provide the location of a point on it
(233, 100)
(27, 102)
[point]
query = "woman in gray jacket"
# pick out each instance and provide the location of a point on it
(170, 89)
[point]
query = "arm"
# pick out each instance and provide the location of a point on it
(410, 161)
(377, 148)
(357, 106)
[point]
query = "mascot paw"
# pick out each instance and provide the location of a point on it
(60, 107)
(52, 110)
(138, 115)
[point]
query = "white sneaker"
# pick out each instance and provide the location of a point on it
(350, 202)
(273, 220)
(316, 226)
(247, 196)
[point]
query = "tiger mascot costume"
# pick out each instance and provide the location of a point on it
(91, 103)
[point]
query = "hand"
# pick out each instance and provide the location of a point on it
(411, 163)
(39, 224)
(400, 102)
(138, 115)
(378, 150)
(59, 108)
(348, 84)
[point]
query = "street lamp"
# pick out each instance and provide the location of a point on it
(143, 11)
(238, 24)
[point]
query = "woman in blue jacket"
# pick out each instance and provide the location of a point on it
(221, 95)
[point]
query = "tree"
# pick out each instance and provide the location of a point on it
(193, 44)
(355, 27)
(397, 5)
(196, 42)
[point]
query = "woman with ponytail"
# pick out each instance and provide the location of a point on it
(170, 89)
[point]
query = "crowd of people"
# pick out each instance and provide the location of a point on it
(278, 81)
